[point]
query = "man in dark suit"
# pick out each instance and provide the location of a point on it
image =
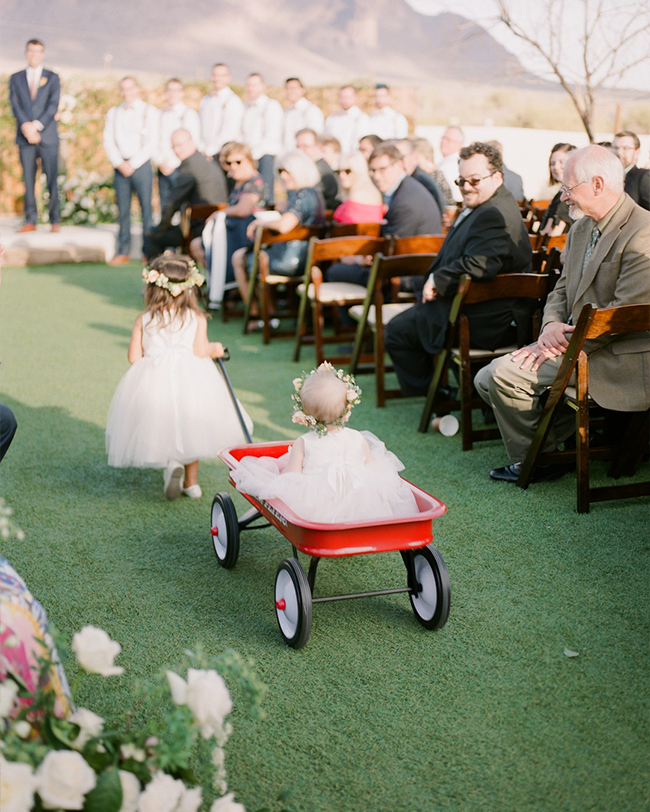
(34, 94)
(488, 238)
(627, 146)
(412, 165)
(198, 181)
(309, 142)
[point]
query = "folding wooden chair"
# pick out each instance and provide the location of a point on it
(353, 229)
(517, 286)
(593, 323)
(419, 244)
(264, 284)
(558, 241)
(195, 211)
(319, 294)
(375, 313)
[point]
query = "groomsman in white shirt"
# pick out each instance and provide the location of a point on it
(176, 115)
(262, 128)
(349, 124)
(220, 112)
(130, 135)
(299, 114)
(385, 122)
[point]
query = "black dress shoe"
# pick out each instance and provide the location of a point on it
(543, 473)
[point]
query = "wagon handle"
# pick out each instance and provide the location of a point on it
(219, 362)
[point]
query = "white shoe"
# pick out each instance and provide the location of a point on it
(172, 479)
(194, 492)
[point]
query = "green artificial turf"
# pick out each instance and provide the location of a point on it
(375, 714)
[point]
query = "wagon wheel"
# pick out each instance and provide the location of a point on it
(293, 603)
(430, 601)
(224, 529)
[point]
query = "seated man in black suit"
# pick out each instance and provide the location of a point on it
(487, 238)
(411, 209)
(199, 181)
(627, 146)
(412, 165)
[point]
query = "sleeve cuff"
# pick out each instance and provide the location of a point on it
(39, 126)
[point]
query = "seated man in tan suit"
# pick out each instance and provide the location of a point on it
(607, 264)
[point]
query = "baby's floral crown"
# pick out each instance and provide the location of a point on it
(352, 398)
(153, 277)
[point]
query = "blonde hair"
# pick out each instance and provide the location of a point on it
(301, 168)
(235, 146)
(324, 395)
(158, 300)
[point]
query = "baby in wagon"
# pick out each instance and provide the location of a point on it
(332, 474)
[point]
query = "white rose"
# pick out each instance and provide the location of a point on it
(207, 697)
(131, 751)
(162, 794)
(64, 779)
(191, 800)
(8, 692)
(17, 786)
(96, 651)
(130, 791)
(227, 804)
(90, 726)
(23, 729)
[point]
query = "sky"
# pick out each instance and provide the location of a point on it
(531, 14)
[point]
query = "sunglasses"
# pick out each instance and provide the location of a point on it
(282, 169)
(344, 171)
(234, 163)
(473, 182)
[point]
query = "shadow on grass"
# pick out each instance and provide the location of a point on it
(119, 286)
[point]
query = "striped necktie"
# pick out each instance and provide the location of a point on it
(595, 235)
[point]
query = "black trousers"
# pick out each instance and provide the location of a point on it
(49, 155)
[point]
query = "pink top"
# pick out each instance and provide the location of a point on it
(351, 212)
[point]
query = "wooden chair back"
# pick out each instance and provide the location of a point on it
(419, 244)
(195, 211)
(353, 229)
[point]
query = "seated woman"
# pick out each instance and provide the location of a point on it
(304, 207)
(556, 220)
(362, 199)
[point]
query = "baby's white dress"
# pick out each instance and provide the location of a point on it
(171, 404)
(336, 484)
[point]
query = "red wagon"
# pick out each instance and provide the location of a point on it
(427, 577)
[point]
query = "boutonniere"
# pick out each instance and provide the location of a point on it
(43, 81)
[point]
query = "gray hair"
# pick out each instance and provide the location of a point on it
(595, 161)
(301, 168)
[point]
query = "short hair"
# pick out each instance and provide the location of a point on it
(406, 141)
(455, 128)
(496, 144)
(331, 141)
(629, 134)
(381, 86)
(301, 168)
(492, 154)
(236, 146)
(595, 161)
(423, 147)
(386, 148)
(375, 140)
(345, 87)
(293, 79)
(129, 77)
(307, 131)
(324, 395)
(221, 65)
(35, 42)
(561, 146)
(255, 73)
(174, 81)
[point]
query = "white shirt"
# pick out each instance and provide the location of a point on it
(388, 124)
(34, 78)
(299, 116)
(348, 126)
(261, 126)
(178, 117)
(449, 168)
(220, 114)
(130, 133)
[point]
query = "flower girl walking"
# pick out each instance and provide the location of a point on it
(332, 474)
(172, 408)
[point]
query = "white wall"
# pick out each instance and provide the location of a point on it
(526, 151)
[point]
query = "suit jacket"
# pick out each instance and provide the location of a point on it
(43, 108)
(513, 183)
(617, 273)
(412, 211)
(198, 181)
(492, 239)
(637, 185)
(329, 185)
(431, 186)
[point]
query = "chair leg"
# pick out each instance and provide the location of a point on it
(317, 312)
(300, 322)
(466, 402)
(380, 367)
(582, 454)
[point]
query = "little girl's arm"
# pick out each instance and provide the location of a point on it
(202, 347)
(135, 347)
(296, 457)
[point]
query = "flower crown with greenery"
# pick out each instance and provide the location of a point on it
(153, 277)
(352, 398)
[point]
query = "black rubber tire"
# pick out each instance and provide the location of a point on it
(223, 518)
(294, 620)
(431, 603)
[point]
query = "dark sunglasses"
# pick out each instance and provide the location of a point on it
(473, 182)
(233, 163)
(344, 171)
(282, 169)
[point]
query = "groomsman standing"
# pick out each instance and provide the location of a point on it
(130, 136)
(262, 128)
(221, 113)
(299, 114)
(34, 94)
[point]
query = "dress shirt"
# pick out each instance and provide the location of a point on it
(348, 126)
(220, 114)
(130, 133)
(388, 124)
(299, 116)
(449, 168)
(262, 126)
(34, 78)
(178, 117)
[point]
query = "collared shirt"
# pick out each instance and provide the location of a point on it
(388, 124)
(349, 127)
(34, 78)
(178, 117)
(262, 126)
(220, 114)
(130, 133)
(388, 196)
(299, 116)
(449, 168)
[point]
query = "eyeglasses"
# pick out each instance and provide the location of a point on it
(282, 169)
(234, 163)
(566, 190)
(377, 169)
(344, 171)
(473, 182)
